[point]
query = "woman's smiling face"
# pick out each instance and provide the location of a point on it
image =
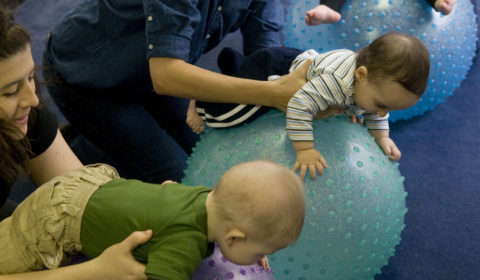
(17, 88)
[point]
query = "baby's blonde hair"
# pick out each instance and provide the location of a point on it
(262, 198)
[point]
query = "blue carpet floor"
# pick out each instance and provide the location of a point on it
(440, 161)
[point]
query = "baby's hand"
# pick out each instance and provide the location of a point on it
(309, 159)
(263, 262)
(167, 182)
(356, 119)
(389, 147)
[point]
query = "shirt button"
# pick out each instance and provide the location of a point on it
(150, 18)
(208, 36)
(220, 8)
(150, 46)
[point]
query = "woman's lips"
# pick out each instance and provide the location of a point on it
(22, 120)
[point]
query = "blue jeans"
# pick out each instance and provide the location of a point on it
(143, 134)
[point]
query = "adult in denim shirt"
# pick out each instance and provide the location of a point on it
(116, 68)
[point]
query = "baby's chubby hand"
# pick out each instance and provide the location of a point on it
(263, 262)
(168, 182)
(308, 158)
(389, 147)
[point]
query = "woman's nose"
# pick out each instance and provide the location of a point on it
(29, 97)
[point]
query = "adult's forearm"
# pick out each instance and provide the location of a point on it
(177, 78)
(73, 272)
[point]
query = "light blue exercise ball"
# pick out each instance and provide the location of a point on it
(355, 210)
(451, 40)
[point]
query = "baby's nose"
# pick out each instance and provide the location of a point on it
(382, 113)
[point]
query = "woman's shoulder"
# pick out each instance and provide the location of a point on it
(42, 129)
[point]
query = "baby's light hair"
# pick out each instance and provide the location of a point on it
(262, 198)
(400, 57)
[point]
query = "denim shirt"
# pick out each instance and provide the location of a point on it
(107, 43)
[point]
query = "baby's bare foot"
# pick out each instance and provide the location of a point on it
(194, 121)
(445, 6)
(321, 14)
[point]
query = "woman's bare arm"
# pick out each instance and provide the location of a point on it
(56, 160)
(175, 77)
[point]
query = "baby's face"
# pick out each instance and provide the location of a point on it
(383, 96)
(246, 252)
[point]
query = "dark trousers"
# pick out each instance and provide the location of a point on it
(338, 4)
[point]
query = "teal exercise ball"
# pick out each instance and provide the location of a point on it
(355, 210)
(450, 40)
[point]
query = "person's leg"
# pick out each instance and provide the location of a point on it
(194, 121)
(327, 12)
(116, 121)
(7, 209)
(229, 60)
(443, 6)
(169, 113)
(265, 62)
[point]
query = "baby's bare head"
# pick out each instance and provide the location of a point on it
(262, 198)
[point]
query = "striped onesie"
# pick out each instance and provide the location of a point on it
(330, 82)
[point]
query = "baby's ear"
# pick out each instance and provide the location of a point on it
(361, 73)
(234, 235)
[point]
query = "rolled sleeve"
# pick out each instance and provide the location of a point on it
(376, 122)
(170, 25)
(263, 26)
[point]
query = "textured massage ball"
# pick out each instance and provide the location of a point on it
(355, 210)
(216, 267)
(450, 40)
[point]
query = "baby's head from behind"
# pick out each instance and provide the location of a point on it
(392, 73)
(259, 208)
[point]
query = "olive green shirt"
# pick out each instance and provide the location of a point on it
(176, 213)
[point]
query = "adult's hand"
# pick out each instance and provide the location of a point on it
(117, 262)
(288, 85)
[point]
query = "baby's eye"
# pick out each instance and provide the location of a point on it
(381, 106)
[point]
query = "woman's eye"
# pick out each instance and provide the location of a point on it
(8, 94)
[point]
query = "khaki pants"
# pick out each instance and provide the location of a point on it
(44, 230)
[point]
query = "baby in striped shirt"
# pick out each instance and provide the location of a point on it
(389, 74)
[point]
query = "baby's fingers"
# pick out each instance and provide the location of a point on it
(296, 166)
(395, 154)
(313, 171)
(320, 166)
(323, 162)
(303, 171)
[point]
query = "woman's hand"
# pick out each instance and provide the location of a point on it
(117, 262)
(288, 85)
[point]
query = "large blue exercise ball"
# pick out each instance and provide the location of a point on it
(451, 40)
(355, 210)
